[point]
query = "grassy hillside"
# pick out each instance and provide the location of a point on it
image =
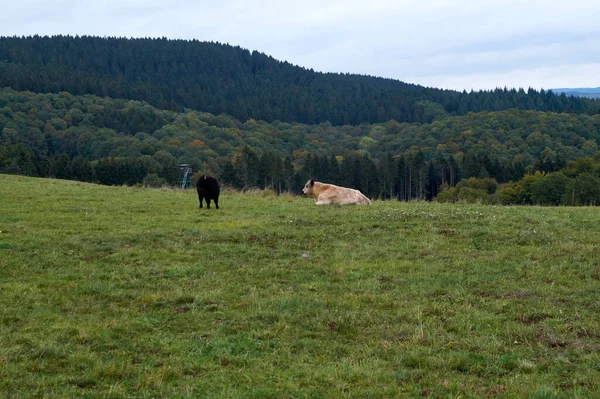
(128, 292)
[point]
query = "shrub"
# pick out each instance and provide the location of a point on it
(488, 184)
(472, 195)
(447, 194)
(582, 190)
(475, 190)
(528, 183)
(509, 194)
(153, 180)
(549, 189)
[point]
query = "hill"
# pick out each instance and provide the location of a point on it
(124, 142)
(580, 92)
(129, 292)
(218, 78)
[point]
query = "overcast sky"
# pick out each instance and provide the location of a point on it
(457, 44)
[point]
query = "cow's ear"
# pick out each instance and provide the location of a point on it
(312, 183)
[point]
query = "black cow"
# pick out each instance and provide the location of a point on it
(209, 189)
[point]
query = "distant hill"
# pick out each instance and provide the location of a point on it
(219, 78)
(586, 92)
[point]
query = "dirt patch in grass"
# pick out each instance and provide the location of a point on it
(519, 294)
(532, 318)
(549, 338)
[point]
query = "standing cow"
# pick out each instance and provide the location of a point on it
(331, 194)
(208, 189)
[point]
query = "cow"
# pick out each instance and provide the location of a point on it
(330, 194)
(208, 188)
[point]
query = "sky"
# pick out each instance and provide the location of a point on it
(458, 44)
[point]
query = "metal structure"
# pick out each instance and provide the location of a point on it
(185, 175)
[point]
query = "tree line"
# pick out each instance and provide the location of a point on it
(577, 183)
(410, 176)
(404, 178)
(129, 142)
(219, 78)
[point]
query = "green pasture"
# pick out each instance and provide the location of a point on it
(121, 292)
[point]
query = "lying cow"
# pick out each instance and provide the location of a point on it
(208, 188)
(330, 194)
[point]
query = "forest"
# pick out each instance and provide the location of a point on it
(506, 157)
(218, 78)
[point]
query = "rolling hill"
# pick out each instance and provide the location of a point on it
(219, 78)
(580, 92)
(118, 142)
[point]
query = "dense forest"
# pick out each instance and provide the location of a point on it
(217, 78)
(485, 156)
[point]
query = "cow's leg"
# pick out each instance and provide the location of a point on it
(207, 203)
(200, 198)
(217, 202)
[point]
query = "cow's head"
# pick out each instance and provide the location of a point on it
(308, 187)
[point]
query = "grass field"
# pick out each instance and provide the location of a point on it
(115, 292)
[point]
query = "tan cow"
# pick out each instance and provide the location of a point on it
(330, 194)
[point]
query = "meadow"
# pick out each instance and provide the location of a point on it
(123, 292)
